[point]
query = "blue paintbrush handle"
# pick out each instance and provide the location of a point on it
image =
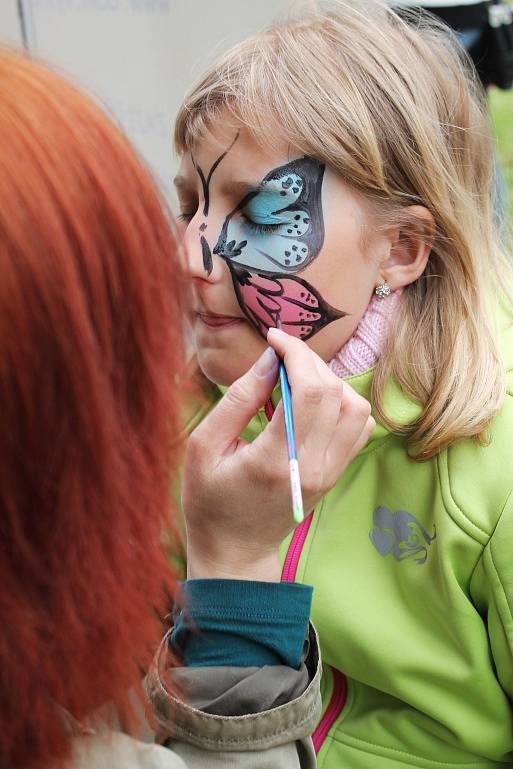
(295, 483)
(287, 410)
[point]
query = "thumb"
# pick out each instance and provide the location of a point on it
(241, 402)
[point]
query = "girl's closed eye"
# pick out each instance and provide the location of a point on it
(259, 227)
(186, 216)
(187, 204)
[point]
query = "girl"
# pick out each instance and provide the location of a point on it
(335, 180)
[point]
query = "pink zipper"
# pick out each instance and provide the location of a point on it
(290, 565)
(289, 572)
(334, 709)
(339, 693)
(269, 409)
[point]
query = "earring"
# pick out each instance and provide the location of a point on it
(383, 290)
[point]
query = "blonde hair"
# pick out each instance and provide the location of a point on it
(394, 109)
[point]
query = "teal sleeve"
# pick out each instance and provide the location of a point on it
(241, 623)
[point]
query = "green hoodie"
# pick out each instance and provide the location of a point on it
(412, 568)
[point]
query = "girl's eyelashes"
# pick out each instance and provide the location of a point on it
(258, 227)
(185, 216)
(187, 206)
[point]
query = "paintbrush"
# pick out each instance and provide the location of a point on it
(295, 483)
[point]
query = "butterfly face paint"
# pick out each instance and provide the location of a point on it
(280, 226)
(282, 302)
(246, 291)
(276, 229)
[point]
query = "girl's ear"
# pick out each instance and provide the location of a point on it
(409, 249)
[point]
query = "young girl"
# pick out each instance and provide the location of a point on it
(335, 180)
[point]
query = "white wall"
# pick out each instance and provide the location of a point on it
(138, 56)
(10, 27)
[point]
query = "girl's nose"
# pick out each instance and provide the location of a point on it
(201, 262)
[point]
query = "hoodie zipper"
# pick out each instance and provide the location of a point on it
(334, 709)
(297, 542)
(339, 693)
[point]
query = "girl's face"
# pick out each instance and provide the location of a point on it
(272, 238)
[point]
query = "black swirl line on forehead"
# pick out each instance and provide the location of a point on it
(205, 182)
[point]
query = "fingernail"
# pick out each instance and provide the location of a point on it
(277, 331)
(266, 364)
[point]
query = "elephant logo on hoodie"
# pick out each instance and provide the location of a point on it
(401, 535)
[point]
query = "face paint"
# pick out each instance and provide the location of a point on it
(275, 229)
(207, 254)
(280, 226)
(282, 301)
(205, 183)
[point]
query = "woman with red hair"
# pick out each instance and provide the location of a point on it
(91, 299)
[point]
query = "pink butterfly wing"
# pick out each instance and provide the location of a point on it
(286, 300)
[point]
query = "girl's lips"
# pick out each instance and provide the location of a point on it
(218, 321)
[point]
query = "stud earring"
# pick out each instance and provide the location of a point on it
(383, 290)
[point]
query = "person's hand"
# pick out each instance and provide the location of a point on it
(236, 495)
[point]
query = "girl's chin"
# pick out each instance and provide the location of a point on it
(224, 368)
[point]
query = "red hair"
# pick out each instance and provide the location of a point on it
(90, 343)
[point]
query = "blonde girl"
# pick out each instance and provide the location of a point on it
(335, 180)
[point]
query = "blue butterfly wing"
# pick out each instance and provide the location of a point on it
(288, 201)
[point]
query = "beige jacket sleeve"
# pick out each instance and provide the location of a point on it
(239, 718)
(114, 750)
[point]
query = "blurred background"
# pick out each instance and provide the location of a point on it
(139, 57)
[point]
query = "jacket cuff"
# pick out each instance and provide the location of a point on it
(287, 709)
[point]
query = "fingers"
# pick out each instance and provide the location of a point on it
(316, 391)
(332, 422)
(246, 395)
(366, 433)
(337, 423)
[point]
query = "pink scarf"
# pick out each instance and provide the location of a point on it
(362, 351)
